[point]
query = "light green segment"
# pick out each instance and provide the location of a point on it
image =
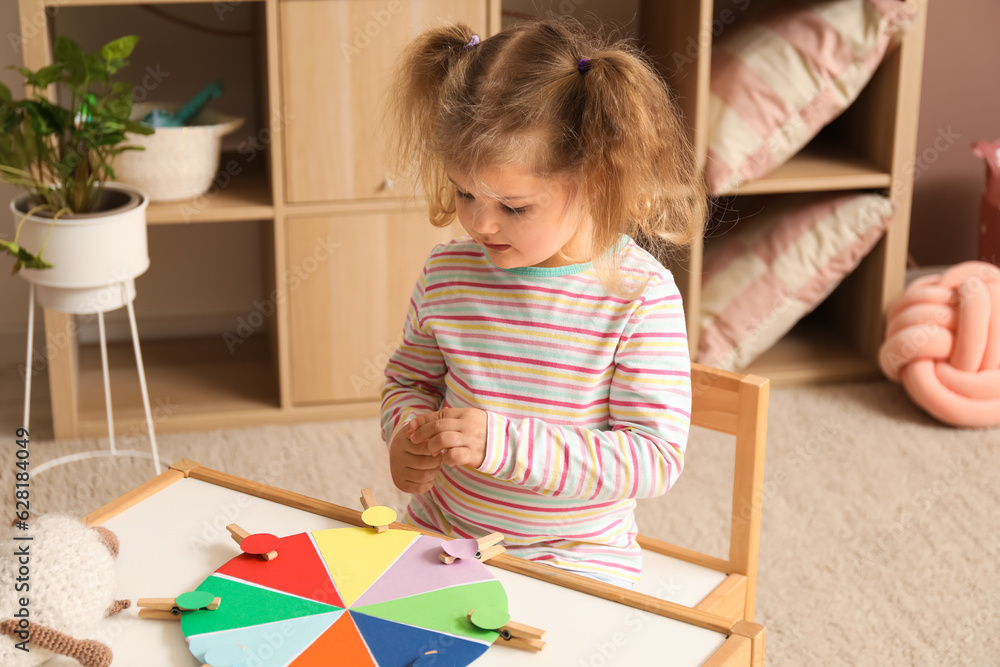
(445, 610)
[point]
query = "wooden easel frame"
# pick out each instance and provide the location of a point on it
(735, 404)
(743, 647)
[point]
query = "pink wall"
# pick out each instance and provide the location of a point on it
(960, 101)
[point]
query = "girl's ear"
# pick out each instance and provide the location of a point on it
(109, 539)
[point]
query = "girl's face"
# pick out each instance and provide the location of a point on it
(521, 219)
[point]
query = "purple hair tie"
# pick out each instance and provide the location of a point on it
(472, 42)
(583, 66)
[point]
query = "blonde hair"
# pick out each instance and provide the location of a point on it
(609, 125)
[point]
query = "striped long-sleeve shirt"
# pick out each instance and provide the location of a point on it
(587, 395)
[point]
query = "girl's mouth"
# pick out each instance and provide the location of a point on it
(497, 248)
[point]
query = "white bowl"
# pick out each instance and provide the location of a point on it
(178, 162)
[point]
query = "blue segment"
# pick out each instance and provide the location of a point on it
(398, 645)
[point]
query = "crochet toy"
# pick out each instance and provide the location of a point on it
(70, 579)
(943, 343)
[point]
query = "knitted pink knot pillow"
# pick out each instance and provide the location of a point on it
(943, 343)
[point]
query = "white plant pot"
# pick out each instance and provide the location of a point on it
(176, 162)
(93, 254)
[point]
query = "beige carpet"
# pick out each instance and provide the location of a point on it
(881, 535)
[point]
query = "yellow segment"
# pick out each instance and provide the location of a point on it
(356, 557)
(380, 515)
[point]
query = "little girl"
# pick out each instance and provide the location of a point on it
(543, 380)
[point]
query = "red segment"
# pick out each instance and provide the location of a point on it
(298, 570)
(343, 641)
(259, 543)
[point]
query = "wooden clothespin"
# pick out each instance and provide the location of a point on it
(483, 549)
(264, 545)
(377, 516)
(515, 635)
(171, 608)
(232, 655)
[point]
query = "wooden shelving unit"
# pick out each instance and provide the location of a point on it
(870, 147)
(246, 196)
(338, 239)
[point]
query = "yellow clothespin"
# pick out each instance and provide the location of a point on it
(171, 608)
(483, 549)
(515, 635)
(377, 516)
(264, 545)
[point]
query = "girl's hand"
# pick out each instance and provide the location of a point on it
(458, 435)
(413, 468)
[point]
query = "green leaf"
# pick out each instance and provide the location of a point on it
(46, 76)
(72, 57)
(67, 50)
(138, 128)
(5, 95)
(94, 67)
(24, 257)
(119, 49)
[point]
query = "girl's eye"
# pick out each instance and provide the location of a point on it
(514, 211)
(463, 195)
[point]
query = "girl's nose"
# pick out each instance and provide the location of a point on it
(484, 221)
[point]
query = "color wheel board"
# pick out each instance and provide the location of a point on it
(348, 596)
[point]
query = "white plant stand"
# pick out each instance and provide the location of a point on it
(127, 295)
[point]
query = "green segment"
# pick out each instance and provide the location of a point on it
(445, 610)
(244, 605)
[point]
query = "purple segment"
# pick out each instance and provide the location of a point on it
(461, 548)
(419, 570)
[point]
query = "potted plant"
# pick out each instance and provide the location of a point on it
(78, 236)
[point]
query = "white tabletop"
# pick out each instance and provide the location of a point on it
(171, 541)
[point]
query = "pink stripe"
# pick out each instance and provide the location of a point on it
(793, 225)
(531, 446)
(539, 509)
(530, 288)
(635, 472)
(718, 173)
(525, 398)
(524, 324)
(815, 39)
(747, 93)
(600, 478)
(536, 307)
(527, 361)
(654, 371)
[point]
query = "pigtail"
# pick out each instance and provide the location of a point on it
(639, 168)
(414, 106)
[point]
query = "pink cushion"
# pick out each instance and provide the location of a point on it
(777, 80)
(776, 266)
(943, 344)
